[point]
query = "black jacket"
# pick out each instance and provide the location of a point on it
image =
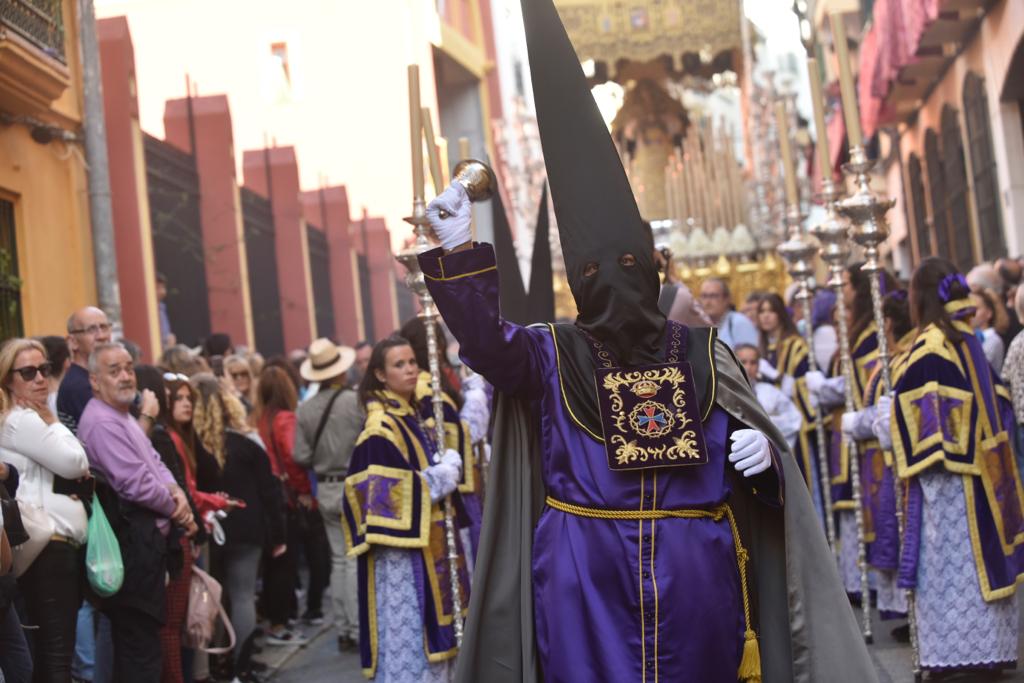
(143, 552)
(247, 476)
(12, 517)
(163, 444)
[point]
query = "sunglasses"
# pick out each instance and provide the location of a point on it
(175, 377)
(240, 375)
(28, 373)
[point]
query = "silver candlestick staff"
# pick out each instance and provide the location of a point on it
(416, 282)
(832, 234)
(798, 252)
(866, 211)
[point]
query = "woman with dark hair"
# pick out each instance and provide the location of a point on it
(276, 399)
(964, 535)
(257, 525)
(405, 601)
(784, 362)
(174, 439)
(415, 330)
(877, 493)
(457, 431)
(830, 395)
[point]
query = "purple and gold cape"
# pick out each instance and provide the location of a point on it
(387, 503)
(949, 412)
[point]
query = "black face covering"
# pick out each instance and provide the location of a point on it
(618, 305)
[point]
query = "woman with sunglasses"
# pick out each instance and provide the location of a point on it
(51, 462)
(239, 373)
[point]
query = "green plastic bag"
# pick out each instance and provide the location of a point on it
(103, 565)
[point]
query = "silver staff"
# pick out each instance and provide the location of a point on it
(832, 234)
(415, 281)
(798, 252)
(866, 212)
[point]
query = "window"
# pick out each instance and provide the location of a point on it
(917, 204)
(955, 176)
(983, 168)
(936, 191)
(10, 283)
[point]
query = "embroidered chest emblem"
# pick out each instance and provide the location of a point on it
(650, 417)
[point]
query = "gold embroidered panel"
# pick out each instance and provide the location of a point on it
(641, 30)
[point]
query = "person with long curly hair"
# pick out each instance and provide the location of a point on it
(257, 525)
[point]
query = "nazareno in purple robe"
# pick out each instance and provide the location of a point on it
(614, 599)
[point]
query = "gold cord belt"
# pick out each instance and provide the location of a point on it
(750, 664)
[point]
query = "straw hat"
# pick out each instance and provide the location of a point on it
(326, 360)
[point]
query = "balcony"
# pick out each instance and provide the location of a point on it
(33, 65)
(40, 22)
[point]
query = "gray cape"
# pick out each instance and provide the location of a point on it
(806, 628)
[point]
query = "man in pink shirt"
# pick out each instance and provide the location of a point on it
(142, 501)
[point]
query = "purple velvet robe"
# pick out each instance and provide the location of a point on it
(614, 600)
(864, 358)
(789, 357)
(949, 413)
(387, 503)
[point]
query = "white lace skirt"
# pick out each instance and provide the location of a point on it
(400, 654)
(956, 627)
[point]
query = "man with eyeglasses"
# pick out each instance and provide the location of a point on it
(734, 328)
(87, 329)
(144, 504)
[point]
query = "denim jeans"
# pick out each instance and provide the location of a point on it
(15, 660)
(94, 649)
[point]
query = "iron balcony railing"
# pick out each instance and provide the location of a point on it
(39, 21)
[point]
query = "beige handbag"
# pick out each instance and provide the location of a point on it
(39, 528)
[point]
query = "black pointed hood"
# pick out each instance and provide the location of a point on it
(598, 220)
(540, 304)
(510, 279)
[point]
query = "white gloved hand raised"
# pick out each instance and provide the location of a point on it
(815, 381)
(454, 228)
(443, 478)
(750, 452)
(767, 370)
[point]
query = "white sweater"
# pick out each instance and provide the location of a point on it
(39, 451)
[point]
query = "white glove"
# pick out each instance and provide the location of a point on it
(444, 477)
(787, 385)
(815, 381)
(451, 458)
(881, 426)
(454, 228)
(213, 526)
(750, 452)
(849, 422)
(767, 370)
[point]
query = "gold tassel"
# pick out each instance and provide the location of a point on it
(750, 665)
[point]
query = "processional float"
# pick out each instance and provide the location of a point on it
(479, 182)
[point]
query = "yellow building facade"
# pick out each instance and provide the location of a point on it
(46, 266)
